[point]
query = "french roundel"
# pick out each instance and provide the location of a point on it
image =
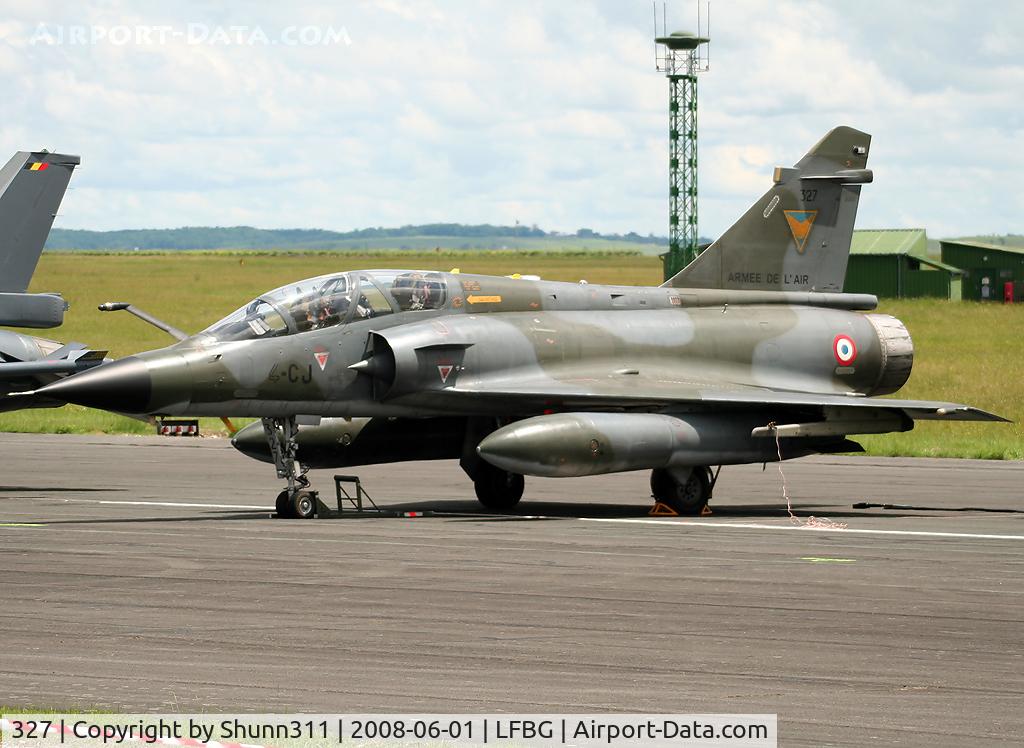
(845, 349)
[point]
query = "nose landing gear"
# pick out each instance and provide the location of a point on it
(296, 501)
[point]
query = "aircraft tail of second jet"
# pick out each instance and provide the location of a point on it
(797, 236)
(32, 186)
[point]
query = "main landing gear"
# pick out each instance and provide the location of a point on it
(497, 489)
(296, 501)
(686, 490)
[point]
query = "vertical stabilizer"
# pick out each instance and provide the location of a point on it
(797, 236)
(31, 188)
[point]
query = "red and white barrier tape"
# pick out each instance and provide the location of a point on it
(179, 430)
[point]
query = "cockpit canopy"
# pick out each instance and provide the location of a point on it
(329, 300)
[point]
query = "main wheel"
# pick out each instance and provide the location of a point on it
(284, 506)
(303, 504)
(498, 489)
(686, 498)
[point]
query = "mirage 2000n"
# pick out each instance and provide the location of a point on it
(749, 354)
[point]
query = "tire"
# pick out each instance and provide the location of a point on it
(687, 498)
(498, 490)
(284, 506)
(303, 505)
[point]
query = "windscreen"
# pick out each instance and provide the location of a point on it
(329, 300)
(310, 304)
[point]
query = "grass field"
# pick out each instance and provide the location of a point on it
(965, 352)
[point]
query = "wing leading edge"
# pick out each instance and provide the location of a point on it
(631, 391)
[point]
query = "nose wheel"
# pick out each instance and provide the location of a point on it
(304, 504)
(296, 501)
(299, 505)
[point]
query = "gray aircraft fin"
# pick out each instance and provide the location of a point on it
(31, 188)
(796, 237)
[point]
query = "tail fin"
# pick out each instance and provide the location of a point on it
(31, 188)
(797, 236)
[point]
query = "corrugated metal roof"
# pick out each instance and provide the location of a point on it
(890, 242)
(981, 245)
(939, 265)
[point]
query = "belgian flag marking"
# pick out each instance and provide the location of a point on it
(37, 166)
(800, 222)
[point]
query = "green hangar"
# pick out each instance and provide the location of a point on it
(894, 263)
(993, 272)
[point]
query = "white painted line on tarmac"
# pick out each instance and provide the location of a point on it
(173, 503)
(799, 528)
(623, 520)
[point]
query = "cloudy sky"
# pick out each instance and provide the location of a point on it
(343, 115)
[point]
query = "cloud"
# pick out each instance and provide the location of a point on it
(546, 113)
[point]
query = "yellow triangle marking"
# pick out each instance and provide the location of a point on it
(800, 222)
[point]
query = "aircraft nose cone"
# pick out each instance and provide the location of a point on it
(124, 386)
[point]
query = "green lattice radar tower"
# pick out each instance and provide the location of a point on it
(681, 62)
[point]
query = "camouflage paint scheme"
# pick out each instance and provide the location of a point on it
(811, 208)
(748, 355)
(643, 354)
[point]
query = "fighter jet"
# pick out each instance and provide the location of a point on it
(31, 188)
(750, 354)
